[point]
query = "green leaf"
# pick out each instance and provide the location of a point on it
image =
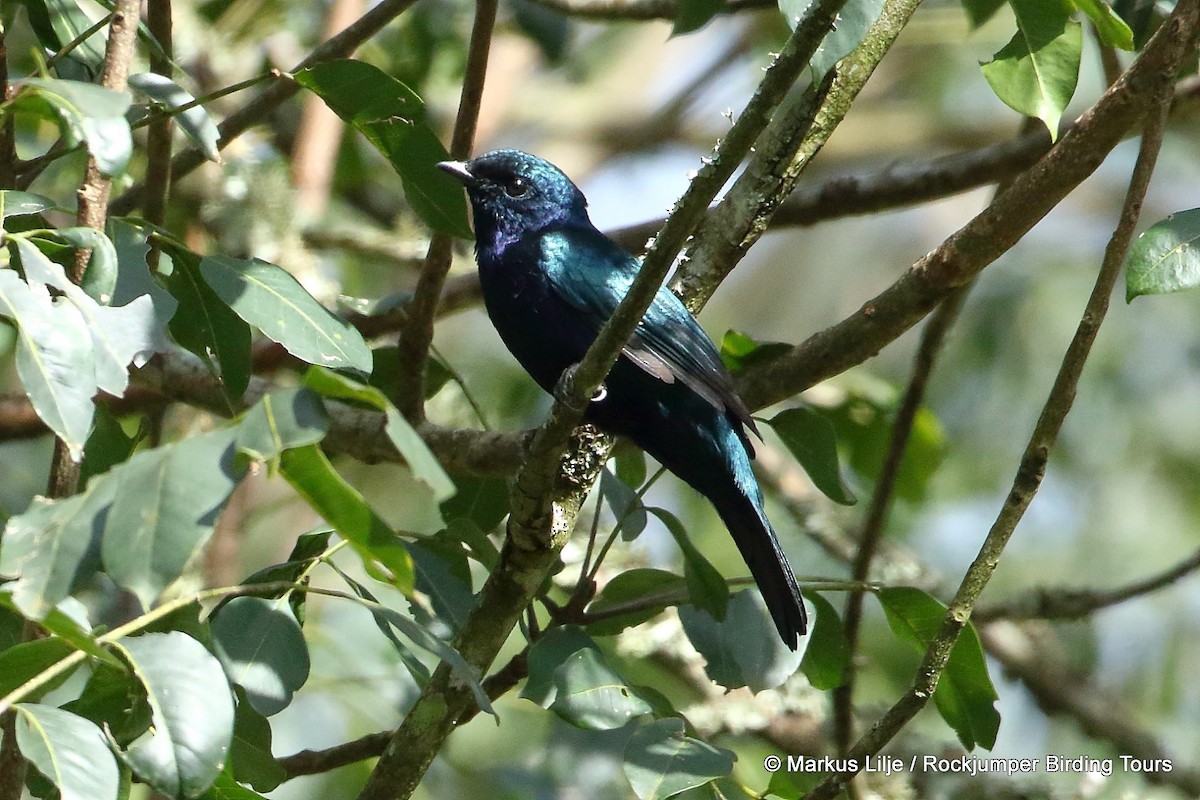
(853, 22)
(706, 587)
(809, 436)
(744, 649)
(250, 757)
(483, 501)
(45, 548)
(661, 760)
(739, 351)
(691, 15)
(281, 420)
(392, 117)
(205, 325)
(589, 694)
(964, 696)
(54, 358)
(421, 461)
(68, 750)
(626, 506)
(196, 124)
(184, 750)
(548, 654)
(629, 463)
(17, 204)
(84, 113)
(22, 662)
(68, 622)
(828, 652)
(1111, 28)
(116, 700)
(314, 478)
(1036, 72)
(108, 445)
(270, 299)
(261, 647)
(444, 576)
(60, 22)
(980, 11)
(118, 335)
(1165, 257)
(134, 279)
(100, 277)
(227, 788)
(651, 589)
(167, 501)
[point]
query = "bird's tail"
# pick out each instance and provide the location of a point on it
(740, 507)
(722, 473)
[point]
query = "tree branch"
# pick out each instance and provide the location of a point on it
(417, 333)
(639, 9)
(1175, 38)
(980, 242)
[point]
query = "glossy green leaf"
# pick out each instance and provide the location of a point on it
(626, 506)
(589, 694)
(809, 436)
(44, 549)
(739, 351)
(250, 758)
(185, 749)
(645, 592)
(744, 649)
(167, 501)
(483, 501)
(118, 335)
(85, 113)
(661, 760)
(116, 700)
(205, 325)
(1166, 257)
(196, 124)
(23, 661)
(60, 22)
(1036, 72)
(421, 461)
(691, 15)
(16, 204)
(100, 277)
(67, 750)
(392, 117)
(285, 418)
(270, 299)
(548, 654)
(1111, 28)
(68, 622)
(54, 358)
(706, 586)
(828, 652)
(444, 577)
(261, 647)
(107, 446)
(226, 787)
(964, 696)
(314, 478)
(134, 279)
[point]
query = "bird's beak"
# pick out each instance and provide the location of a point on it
(459, 170)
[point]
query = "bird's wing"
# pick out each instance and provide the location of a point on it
(593, 274)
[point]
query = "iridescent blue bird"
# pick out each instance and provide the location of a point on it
(550, 280)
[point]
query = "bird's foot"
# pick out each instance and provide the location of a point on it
(564, 391)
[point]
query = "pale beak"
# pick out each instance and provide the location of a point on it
(459, 170)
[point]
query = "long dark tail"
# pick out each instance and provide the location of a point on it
(720, 470)
(740, 505)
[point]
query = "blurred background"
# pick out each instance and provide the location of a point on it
(628, 111)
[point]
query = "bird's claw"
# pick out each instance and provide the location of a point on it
(564, 391)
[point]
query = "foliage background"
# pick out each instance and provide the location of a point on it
(628, 110)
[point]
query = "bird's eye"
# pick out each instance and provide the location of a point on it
(516, 187)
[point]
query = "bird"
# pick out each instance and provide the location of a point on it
(550, 279)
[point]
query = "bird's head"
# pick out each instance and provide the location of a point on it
(513, 193)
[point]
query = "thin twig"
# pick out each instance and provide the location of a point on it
(1047, 603)
(158, 138)
(1033, 461)
(417, 333)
